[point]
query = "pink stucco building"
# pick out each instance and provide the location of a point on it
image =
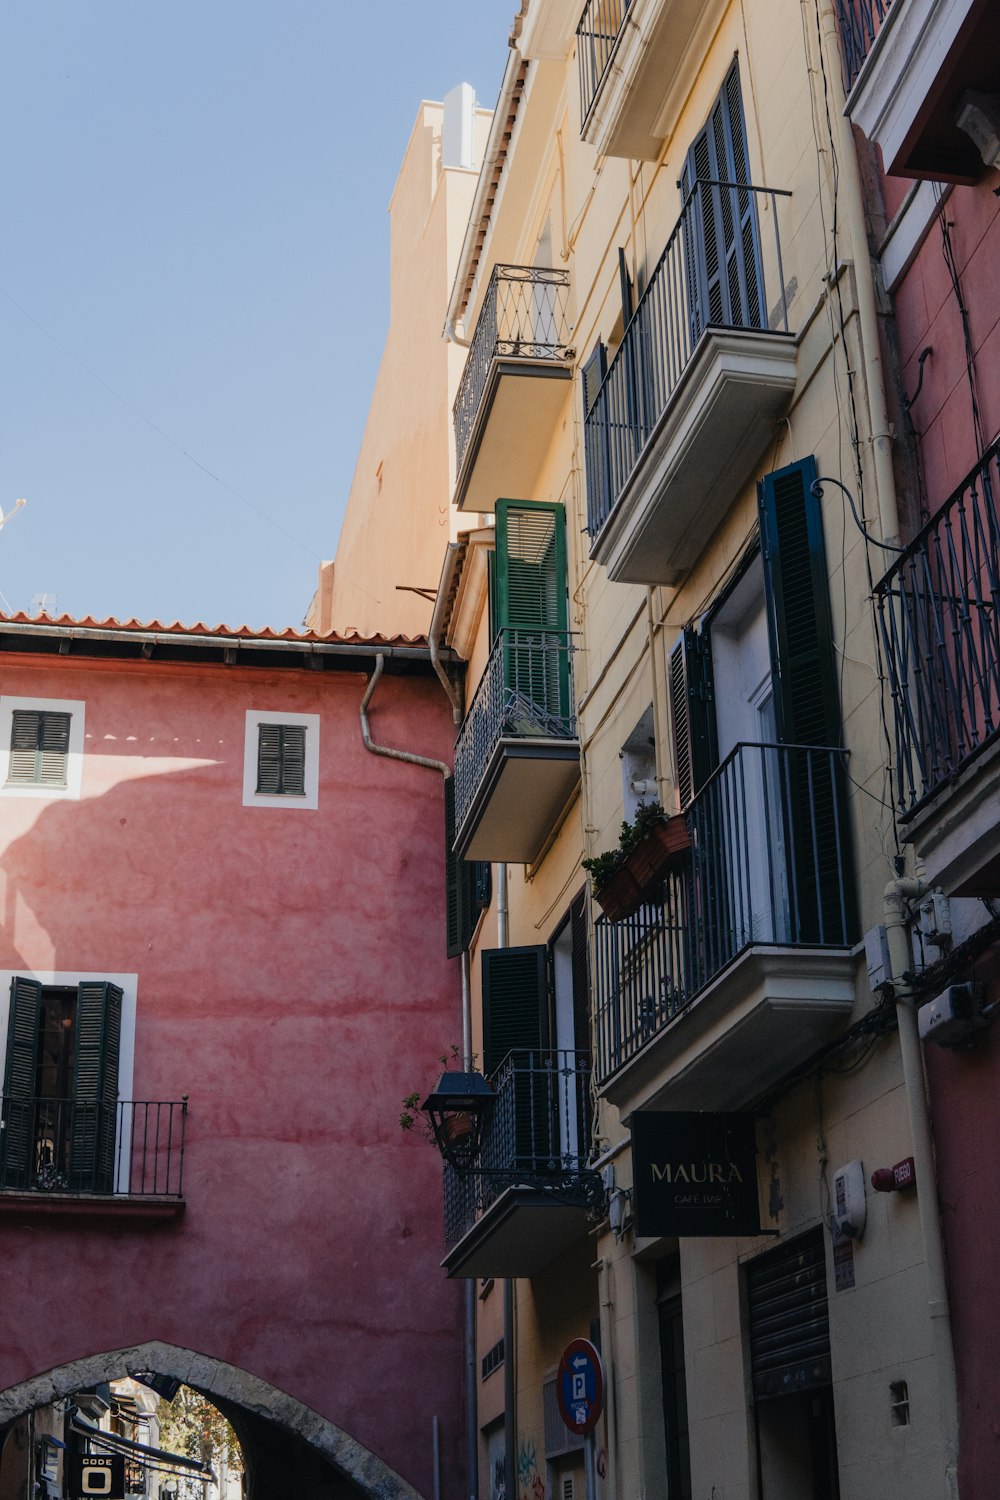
(215, 898)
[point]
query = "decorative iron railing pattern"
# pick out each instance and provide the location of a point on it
(860, 22)
(939, 619)
(768, 867)
(133, 1147)
(537, 1135)
(525, 693)
(601, 24)
(682, 299)
(524, 316)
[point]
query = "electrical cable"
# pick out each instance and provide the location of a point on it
(817, 490)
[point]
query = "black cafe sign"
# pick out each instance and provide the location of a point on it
(694, 1174)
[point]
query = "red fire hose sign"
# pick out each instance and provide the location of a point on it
(580, 1386)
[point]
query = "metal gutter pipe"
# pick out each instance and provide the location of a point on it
(451, 556)
(194, 638)
(403, 755)
(897, 894)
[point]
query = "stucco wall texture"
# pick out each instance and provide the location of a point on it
(292, 982)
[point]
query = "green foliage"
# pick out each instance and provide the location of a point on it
(451, 1061)
(192, 1426)
(601, 867)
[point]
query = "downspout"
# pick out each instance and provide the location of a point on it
(404, 755)
(435, 630)
(853, 208)
(509, 1384)
(471, 1387)
(897, 894)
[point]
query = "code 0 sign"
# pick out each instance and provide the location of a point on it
(90, 1475)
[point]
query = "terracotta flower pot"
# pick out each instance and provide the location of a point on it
(620, 896)
(664, 848)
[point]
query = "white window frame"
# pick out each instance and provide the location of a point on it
(251, 797)
(70, 978)
(74, 760)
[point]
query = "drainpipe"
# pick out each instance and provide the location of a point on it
(852, 207)
(509, 1387)
(897, 894)
(471, 1387)
(404, 755)
(436, 628)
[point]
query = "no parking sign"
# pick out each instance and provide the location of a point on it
(93, 1474)
(580, 1386)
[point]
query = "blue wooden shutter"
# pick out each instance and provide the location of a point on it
(97, 1038)
(722, 239)
(17, 1137)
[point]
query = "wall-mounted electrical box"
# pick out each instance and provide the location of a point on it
(850, 1206)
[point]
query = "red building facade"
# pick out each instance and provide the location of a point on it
(223, 931)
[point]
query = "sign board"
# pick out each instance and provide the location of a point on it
(97, 1474)
(694, 1174)
(580, 1386)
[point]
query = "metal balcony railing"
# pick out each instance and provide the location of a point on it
(601, 24)
(694, 287)
(537, 1135)
(525, 693)
(524, 316)
(134, 1147)
(939, 618)
(859, 22)
(768, 867)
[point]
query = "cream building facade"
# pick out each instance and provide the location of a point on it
(672, 475)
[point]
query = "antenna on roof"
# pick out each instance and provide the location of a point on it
(42, 604)
(18, 505)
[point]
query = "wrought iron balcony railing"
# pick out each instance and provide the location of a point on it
(693, 288)
(600, 27)
(524, 317)
(525, 693)
(537, 1136)
(859, 22)
(939, 617)
(768, 867)
(133, 1147)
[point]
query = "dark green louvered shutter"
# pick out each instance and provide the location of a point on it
(516, 1021)
(722, 240)
(597, 456)
(281, 759)
(692, 702)
(17, 1137)
(531, 605)
(464, 883)
(580, 961)
(39, 748)
(97, 1038)
(807, 700)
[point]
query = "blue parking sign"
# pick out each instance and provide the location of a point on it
(580, 1386)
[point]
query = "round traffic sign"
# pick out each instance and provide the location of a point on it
(580, 1386)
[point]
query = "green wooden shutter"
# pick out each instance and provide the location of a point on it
(580, 962)
(532, 607)
(515, 1003)
(722, 239)
(17, 1137)
(692, 701)
(97, 1038)
(463, 883)
(596, 440)
(39, 748)
(807, 699)
(281, 759)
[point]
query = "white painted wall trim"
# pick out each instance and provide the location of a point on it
(908, 230)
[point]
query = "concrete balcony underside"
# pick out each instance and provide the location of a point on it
(518, 1235)
(762, 1017)
(924, 57)
(718, 422)
(524, 787)
(956, 832)
(655, 60)
(118, 1212)
(512, 431)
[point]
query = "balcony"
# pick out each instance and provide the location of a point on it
(119, 1165)
(691, 398)
(513, 385)
(707, 997)
(907, 65)
(531, 1195)
(636, 60)
(938, 617)
(517, 759)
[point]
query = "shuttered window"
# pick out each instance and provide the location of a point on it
(468, 884)
(39, 748)
(281, 760)
(531, 607)
(515, 1003)
(789, 1318)
(692, 703)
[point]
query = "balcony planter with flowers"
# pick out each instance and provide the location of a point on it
(649, 849)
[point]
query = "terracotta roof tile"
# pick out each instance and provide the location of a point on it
(222, 632)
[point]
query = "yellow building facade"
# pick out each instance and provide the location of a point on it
(671, 467)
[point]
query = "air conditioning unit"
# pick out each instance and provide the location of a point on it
(953, 1018)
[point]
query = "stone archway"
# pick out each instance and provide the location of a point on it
(365, 1474)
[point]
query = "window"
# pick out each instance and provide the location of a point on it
(41, 747)
(281, 760)
(67, 1045)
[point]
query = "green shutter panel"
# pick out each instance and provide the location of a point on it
(515, 1003)
(532, 610)
(692, 701)
(596, 448)
(580, 962)
(807, 703)
(269, 758)
(17, 1138)
(97, 1036)
(293, 760)
(462, 880)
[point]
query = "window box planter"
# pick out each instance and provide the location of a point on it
(663, 848)
(620, 896)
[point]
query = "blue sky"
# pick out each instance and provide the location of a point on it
(174, 178)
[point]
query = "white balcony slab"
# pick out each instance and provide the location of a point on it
(720, 418)
(956, 833)
(512, 433)
(523, 789)
(769, 1011)
(548, 29)
(522, 1232)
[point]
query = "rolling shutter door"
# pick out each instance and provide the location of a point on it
(789, 1319)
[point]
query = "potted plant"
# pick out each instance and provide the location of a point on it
(648, 849)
